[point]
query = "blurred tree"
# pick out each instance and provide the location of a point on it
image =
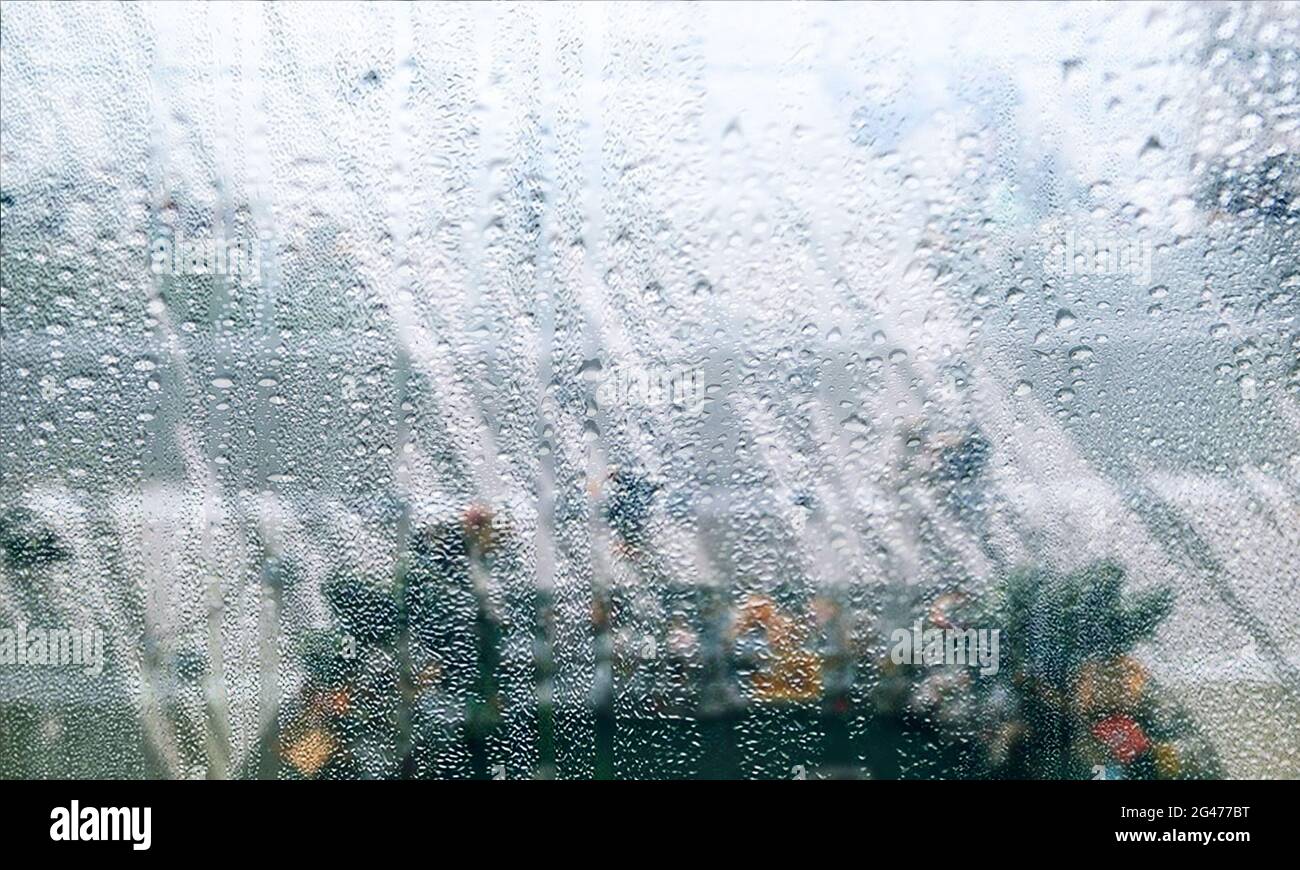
(406, 684)
(1069, 701)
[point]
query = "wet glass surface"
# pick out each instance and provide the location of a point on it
(574, 391)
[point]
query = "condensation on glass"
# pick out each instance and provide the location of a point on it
(586, 390)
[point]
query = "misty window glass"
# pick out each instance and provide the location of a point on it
(633, 390)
